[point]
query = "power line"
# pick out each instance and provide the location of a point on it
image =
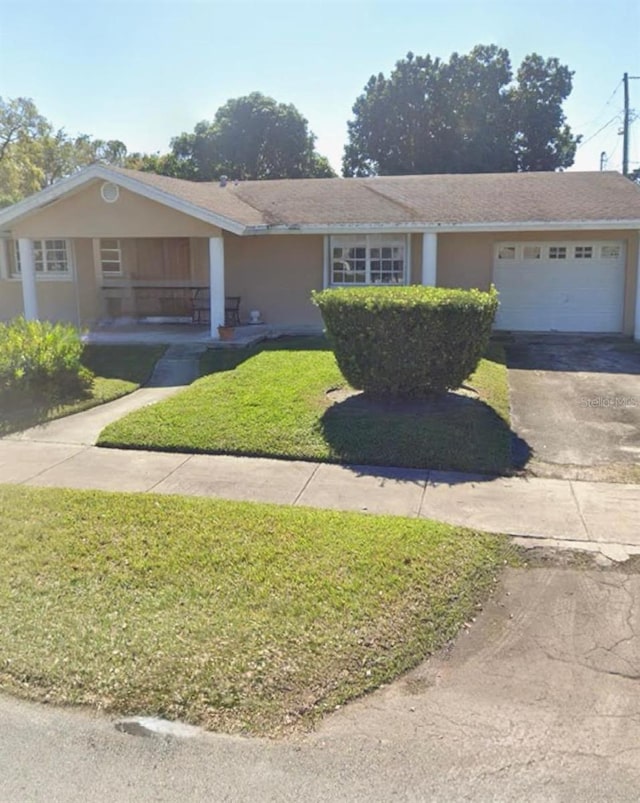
(615, 117)
(602, 110)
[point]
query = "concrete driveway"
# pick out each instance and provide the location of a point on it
(537, 700)
(576, 403)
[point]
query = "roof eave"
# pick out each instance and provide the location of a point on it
(444, 228)
(75, 182)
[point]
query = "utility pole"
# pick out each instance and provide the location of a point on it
(603, 160)
(625, 127)
(627, 118)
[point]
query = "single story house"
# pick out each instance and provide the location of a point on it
(109, 243)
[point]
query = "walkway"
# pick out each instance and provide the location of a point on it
(600, 517)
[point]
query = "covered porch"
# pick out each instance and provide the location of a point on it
(126, 333)
(125, 280)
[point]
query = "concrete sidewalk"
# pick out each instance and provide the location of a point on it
(596, 516)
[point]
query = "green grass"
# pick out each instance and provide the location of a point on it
(273, 402)
(235, 616)
(118, 370)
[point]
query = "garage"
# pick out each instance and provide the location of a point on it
(575, 286)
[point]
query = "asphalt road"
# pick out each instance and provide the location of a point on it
(538, 700)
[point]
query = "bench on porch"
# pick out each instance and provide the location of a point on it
(201, 308)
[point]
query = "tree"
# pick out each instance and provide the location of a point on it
(251, 137)
(34, 155)
(461, 116)
(541, 138)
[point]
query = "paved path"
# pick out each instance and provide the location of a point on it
(537, 701)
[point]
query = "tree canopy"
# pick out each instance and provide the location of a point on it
(34, 154)
(251, 137)
(467, 115)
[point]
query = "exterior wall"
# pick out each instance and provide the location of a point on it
(415, 274)
(275, 274)
(85, 214)
(10, 299)
(466, 260)
(72, 299)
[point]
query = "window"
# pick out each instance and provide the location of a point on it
(507, 252)
(368, 259)
(531, 252)
(110, 257)
(583, 252)
(50, 256)
(610, 251)
(557, 252)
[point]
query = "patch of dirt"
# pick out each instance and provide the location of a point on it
(603, 472)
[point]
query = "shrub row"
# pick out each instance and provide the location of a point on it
(407, 341)
(40, 361)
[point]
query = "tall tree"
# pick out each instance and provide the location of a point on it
(251, 137)
(34, 155)
(541, 138)
(464, 115)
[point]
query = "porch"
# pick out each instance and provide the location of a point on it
(123, 333)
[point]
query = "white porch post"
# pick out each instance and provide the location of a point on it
(429, 259)
(216, 284)
(636, 329)
(28, 275)
(4, 259)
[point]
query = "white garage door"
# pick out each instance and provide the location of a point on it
(560, 286)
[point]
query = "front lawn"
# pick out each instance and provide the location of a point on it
(274, 402)
(236, 616)
(118, 370)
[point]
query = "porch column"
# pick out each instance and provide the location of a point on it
(636, 330)
(4, 259)
(216, 284)
(28, 275)
(429, 259)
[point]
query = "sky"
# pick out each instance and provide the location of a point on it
(143, 71)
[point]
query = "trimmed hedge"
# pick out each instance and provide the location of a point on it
(40, 361)
(407, 341)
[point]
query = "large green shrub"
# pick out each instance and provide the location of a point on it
(407, 341)
(40, 361)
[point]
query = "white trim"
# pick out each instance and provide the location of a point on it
(325, 261)
(117, 250)
(429, 275)
(28, 277)
(216, 284)
(109, 192)
(73, 183)
(444, 228)
(369, 241)
(636, 331)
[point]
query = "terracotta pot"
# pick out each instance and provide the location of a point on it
(226, 332)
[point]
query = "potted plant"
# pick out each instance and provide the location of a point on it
(225, 332)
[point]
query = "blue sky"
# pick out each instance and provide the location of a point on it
(145, 71)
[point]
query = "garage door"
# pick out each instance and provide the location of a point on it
(560, 286)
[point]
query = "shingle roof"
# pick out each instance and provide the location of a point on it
(484, 198)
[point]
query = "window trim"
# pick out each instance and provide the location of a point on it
(107, 274)
(44, 275)
(368, 241)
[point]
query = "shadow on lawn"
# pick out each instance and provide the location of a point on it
(452, 432)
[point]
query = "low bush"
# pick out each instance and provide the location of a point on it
(40, 361)
(407, 341)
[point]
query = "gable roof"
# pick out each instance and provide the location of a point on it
(450, 202)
